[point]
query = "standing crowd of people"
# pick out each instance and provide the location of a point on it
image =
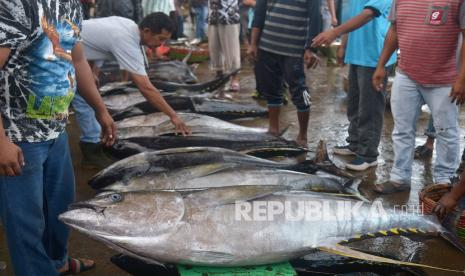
(49, 41)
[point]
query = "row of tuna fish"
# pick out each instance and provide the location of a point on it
(196, 199)
(181, 206)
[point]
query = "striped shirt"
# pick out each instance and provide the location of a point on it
(428, 33)
(288, 26)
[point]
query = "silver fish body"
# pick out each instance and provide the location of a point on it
(203, 227)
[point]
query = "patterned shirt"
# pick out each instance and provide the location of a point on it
(428, 34)
(38, 82)
(287, 25)
(224, 12)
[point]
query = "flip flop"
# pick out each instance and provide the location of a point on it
(422, 152)
(234, 87)
(76, 266)
(390, 187)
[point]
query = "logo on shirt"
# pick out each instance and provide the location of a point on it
(436, 17)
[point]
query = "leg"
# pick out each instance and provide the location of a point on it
(445, 117)
(353, 99)
(426, 150)
(22, 212)
(294, 75)
(59, 193)
(232, 51)
(214, 46)
(273, 113)
(406, 101)
(91, 149)
(85, 115)
(269, 75)
(371, 109)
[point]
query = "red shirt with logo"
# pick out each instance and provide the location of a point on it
(428, 34)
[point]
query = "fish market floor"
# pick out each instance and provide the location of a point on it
(328, 122)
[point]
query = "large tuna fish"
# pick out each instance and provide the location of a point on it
(208, 86)
(188, 162)
(235, 226)
(156, 132)
(172, 71)
(124, 102)
(220, 175)
(222, 109)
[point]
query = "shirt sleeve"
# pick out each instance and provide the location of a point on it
(129, 56)
(462, 16)
(15, 24)
(259, 14)
(393, 13)
(379, 7)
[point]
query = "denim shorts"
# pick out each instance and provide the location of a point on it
(272, 70)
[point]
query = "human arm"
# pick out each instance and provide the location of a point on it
(341, 50)
(458, 90)
(352, 24)
(88, 90)
(257, 26)
(311, 60)
(391, 44)
(11, 156)
(156, 100)
(249, 3)
(449, 201)
(332, 11)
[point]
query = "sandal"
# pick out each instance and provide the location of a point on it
(390, 187)
(234, 87)
(422, 152)
(76, 266)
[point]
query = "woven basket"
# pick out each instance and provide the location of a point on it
(430, 195)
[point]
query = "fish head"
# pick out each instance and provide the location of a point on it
(126, 214)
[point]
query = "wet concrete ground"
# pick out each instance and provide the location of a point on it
(328, 122)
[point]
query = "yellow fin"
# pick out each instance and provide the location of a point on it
(383, 232)
(394, 231)
(413, 230)
(351, 253)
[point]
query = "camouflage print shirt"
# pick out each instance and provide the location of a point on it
(38, 80)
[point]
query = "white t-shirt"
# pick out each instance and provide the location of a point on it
(114, 38)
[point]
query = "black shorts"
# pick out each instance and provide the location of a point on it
(271, 72)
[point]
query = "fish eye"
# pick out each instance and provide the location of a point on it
(116, 197)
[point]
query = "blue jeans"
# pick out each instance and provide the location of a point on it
(430, 130)
(85, 116)
(201, 14)
(30, 205)
(406, 100)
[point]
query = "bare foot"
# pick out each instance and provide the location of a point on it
(273, 132)
(302, 141)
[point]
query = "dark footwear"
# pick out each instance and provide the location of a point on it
(423, 152)
(93, 156)
(390, 187)
(343, 150)
(361, 164)
(76, 266)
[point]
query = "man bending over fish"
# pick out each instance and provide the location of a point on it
(120, 39)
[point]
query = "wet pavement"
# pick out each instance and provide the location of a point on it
(328, 122)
